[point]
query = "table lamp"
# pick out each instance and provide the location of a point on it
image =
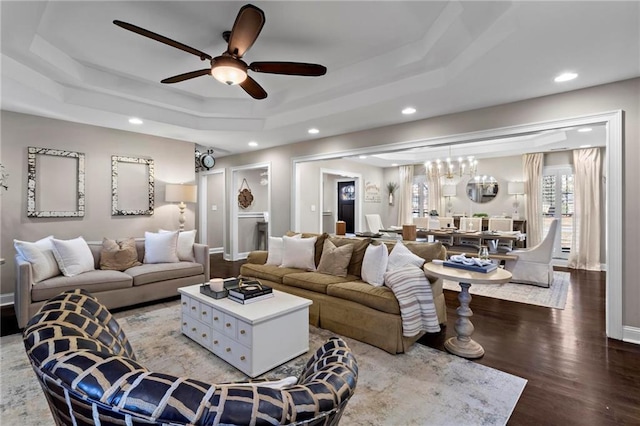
(515, 188)
(179, 193)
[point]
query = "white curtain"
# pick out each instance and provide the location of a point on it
(587, 178)
(405, 212)
(433, 184)
(532, 168)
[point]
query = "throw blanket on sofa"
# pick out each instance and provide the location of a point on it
(413, 291)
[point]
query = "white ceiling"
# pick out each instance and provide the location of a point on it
(67, 60)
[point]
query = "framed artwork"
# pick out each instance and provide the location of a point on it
(132, 186)
(55, 183)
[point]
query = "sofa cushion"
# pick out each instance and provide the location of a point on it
(374, 264)
(298, 253)
(73, 256)
(118, 255)
(335, 260)
(378, 298)
(155, 272)
(266, 272)
(319, 242)
(40, 255)
(314, 281)
(161, 247)
(93, 281)
(401, 256)
(427, 251)
(359, 248)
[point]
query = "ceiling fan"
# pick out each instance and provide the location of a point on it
(229, 68)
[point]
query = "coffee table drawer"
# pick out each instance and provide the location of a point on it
(230, 326)
(237, 355)
(245, 333)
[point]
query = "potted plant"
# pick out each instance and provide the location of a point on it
(391, 187)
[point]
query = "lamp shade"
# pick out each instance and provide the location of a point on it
(449, 190)
(181, 193)
(515, 188)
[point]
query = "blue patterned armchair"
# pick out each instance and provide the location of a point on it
(89, 374)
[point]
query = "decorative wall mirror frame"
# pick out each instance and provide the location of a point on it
(55, 184)
(482, 189)
(136, 195)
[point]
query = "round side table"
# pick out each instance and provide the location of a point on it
(463, 345)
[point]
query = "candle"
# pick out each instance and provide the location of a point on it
(216, 284)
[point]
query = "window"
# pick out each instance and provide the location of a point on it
(420, 197)
(557, 202)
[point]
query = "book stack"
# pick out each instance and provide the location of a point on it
(250, 291)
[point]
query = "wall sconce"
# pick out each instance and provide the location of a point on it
(448, 191)
(178, 193)
(515, 188)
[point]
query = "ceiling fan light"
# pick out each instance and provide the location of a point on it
(229, 74)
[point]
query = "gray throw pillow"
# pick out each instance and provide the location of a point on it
(335, 260)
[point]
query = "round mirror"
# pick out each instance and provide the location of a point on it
(482, 189)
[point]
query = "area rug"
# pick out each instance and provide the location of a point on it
(422, 387)
(552, 297)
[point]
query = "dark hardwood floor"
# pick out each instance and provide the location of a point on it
(576, 375)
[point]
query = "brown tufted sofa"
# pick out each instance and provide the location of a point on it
(90, 376)
(347, 305)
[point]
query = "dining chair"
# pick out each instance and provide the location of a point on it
(374, 223)
(502, 224)
(446, 222)
(421, 222)
(470, 224)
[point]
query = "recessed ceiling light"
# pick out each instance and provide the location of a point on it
(585, 146)
(565, 77)
(394, 164)
(314, 131)
(253, 143)
(362, 157)
(135, 120)
(585, 129)
(408, 110)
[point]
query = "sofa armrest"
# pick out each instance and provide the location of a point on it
(258, 257)
(201, 254)
(22, 291)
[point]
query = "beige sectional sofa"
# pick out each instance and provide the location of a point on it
(348, 305)
(114, 289)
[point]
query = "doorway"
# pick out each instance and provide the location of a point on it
(346, 204)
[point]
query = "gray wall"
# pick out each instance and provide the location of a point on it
(215, 218)
(624, 95)
(174, 163)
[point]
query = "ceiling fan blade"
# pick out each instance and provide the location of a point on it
(162, 39)
(289, 68)
(186, 76)
(246, 29)
(253, 88)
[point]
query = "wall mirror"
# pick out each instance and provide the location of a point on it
(132, 186)
(482, 189)
(55, 183)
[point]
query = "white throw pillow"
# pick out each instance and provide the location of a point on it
(186, 240)
(73, 256)
(276, 245)
(299, 253)
(161, 247)
(401, 256)
(374, 264)
(40, 255)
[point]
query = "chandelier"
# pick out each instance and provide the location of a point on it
(450, 169)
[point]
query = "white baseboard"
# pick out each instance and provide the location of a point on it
(631, 334)
(216, 250)
(6, 299)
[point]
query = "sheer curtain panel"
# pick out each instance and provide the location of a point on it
(532, 165)
(587, 181)
(405, 213)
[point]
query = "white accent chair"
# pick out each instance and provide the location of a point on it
(421, 222)
(502, 224)
(533, 265)
(374, 223)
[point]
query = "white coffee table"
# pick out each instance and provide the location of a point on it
(255, 337)
(463, 345)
